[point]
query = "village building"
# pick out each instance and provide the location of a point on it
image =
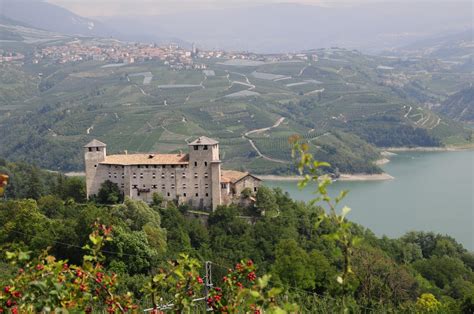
(195, 178)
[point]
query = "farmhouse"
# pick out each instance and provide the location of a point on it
(194, 178)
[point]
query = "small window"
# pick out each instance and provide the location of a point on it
(196, 186)
(255, 189)
(144, 185)
(154, 166)
(168, 193)
(197, 194)
(184, 194)
(205, 175)
(90, 149)
(207, 194)
(184, 175)
(95, 166)
(135, 186)
(184, 186)
(162, 175)
(172, 166)
(154, 186)
(163, 187)
(196, 147)
(195, 175)
(205, 163)
(138, 166)
(172, 186)
(146, 166)
(223, 186)
(172, 176)
(134, 175)
(195, 164)
(205, 147)
(182, 166)
(97, 149)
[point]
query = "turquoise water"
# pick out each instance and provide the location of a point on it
(432, 191)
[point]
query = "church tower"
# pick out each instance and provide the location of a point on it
(94, 153)
(205, 164)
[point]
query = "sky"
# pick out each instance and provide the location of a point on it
(92, 8)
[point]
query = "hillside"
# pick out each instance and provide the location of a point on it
(459, 106)
(47, 16)
(343, 102)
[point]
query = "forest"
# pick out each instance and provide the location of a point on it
(279, 256)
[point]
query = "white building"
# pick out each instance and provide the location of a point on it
(195, 178)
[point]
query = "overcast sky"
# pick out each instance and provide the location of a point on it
(92, 8)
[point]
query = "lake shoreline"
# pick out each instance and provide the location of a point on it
(428, 149)
(343, 177)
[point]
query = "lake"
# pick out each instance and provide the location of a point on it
(432, 191)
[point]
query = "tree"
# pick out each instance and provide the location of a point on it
(51, 205)
(109, 193)
(74, 188)
(292, 265)
(266, 201)
(34, 188)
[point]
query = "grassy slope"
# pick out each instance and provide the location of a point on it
(47, 119)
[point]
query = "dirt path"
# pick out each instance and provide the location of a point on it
(277, 123)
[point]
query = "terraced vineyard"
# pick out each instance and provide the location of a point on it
(340, 104)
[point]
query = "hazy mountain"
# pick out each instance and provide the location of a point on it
(43, 15)
(294, 27)
(460, 106)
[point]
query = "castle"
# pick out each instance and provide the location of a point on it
(195, 178)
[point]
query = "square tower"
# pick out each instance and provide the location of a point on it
(205, 166)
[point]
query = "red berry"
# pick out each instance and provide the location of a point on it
(39, 267)
(7, 289)
(249, 263)
(199, 280)
(16, 294)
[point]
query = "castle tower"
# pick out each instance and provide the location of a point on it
(94, 153)
(205, 164)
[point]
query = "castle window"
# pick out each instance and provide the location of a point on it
(162, 175)
(196, 147)
(168, 193)
(90, 149)
(195, 164)
(184, 186)
(95, 166)
(172, 166)
(97, 149)
(195, 175)
(154, 166)
(255, 189)
(144, 185)
(146, 166)
(205, 163)
(122, 185)
(115, 177)
(184, 194)
(205, 147)
(134, 175)
(207, 194)
(153, 176)
(172, 176)
(182, 166)
(138, 166)
(223, 186)
(163, 186)
(123, 176)
(141, 175)
(196, 186)
(207, 186)
(197, 194)
(153, 186)
(184, 175)
(135, 186)
(123, 167)
(172, 186)
(205, 175)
